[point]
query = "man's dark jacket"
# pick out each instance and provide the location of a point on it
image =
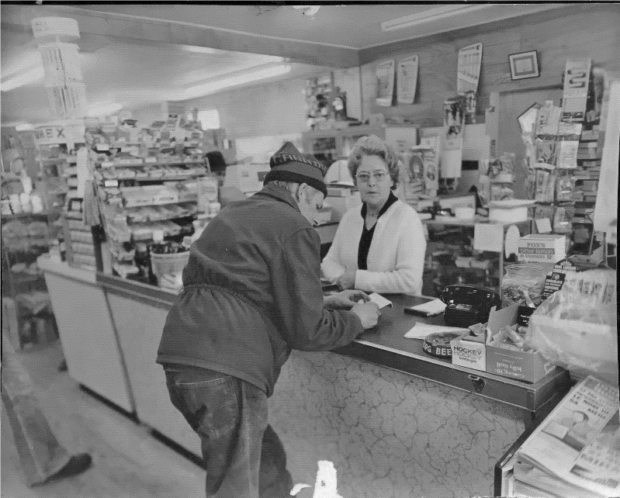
(252, 293)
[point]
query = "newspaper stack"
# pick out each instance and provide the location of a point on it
(575, 451)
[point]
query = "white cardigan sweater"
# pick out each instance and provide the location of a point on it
(396, 255)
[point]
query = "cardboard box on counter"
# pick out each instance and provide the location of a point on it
(470, 354)
(521, 365)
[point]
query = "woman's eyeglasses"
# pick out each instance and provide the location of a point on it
(377, 175)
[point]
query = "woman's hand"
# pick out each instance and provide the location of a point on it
(346, 280)
(345, 300)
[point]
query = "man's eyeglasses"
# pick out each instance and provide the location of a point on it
(377, 175)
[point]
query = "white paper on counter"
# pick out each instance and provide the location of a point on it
(379, 300)
(434, 307)
(421, 330)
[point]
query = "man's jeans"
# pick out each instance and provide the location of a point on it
(242, 454)
(40, 453)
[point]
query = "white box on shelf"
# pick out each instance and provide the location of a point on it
(542, 248)
(509, 211)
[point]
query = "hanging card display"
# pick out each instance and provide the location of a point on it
(575, 96)
(452, 149)
(548, 119)
(414, 175)
(385, 83)
(468, 72)
(407, 79)
(431, 149)
(546, 152)
(567, 154)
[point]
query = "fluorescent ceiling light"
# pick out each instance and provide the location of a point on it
(24, 127)
(429, 15)
(248, 76)
(30, 76)
(27, 60)
(308, 10)
(199, 50)
(103, 109)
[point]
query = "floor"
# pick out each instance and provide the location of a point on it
(127, 460)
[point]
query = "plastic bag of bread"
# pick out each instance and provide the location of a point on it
(576, 327)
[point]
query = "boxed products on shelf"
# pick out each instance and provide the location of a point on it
(147, 181)
(542, 248)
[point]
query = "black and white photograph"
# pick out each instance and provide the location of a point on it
(325, 250)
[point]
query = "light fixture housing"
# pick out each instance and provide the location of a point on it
(308, 10)
(30, 76)
(24, 127)
(236, 79)
(430, 15)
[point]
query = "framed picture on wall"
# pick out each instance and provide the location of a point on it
(524, 65)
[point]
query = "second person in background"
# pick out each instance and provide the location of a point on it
(380, 246)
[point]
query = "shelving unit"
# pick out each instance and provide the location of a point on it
(452, 259)
(329, 145)
(27, 316)
(146, 185)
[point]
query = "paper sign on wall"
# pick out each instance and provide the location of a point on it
(407, 79)
(385, 83)
(575, 96)
(468, 73)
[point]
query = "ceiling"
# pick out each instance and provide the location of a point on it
(138, 54)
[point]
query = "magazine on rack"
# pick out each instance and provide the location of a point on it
(579, 442)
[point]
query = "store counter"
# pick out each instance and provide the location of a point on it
(393, 420)
(86, 331)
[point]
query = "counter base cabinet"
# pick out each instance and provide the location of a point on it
(87, 336)
(139, 327)
(388, 433)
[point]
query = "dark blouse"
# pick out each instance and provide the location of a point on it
(366, 238)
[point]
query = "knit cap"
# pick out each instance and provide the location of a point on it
(290, 165)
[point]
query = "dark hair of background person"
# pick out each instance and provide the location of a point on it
(216, 161)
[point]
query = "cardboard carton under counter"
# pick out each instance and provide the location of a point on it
(521, 365)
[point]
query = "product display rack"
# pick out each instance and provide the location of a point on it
(26, 316)
(144, 186)
(55, 160)
(451, 259)
(566, 157)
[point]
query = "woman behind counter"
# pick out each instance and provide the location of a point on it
(379, 247)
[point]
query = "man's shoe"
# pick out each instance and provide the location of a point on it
(76, 465)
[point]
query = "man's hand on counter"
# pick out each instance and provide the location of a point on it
(368, 313)
(345, 300)
(358, 302)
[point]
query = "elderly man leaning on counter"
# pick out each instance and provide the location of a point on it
(380, 246)
(252, 293)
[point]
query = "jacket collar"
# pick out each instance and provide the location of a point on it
(390, 200)
(279, 194)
